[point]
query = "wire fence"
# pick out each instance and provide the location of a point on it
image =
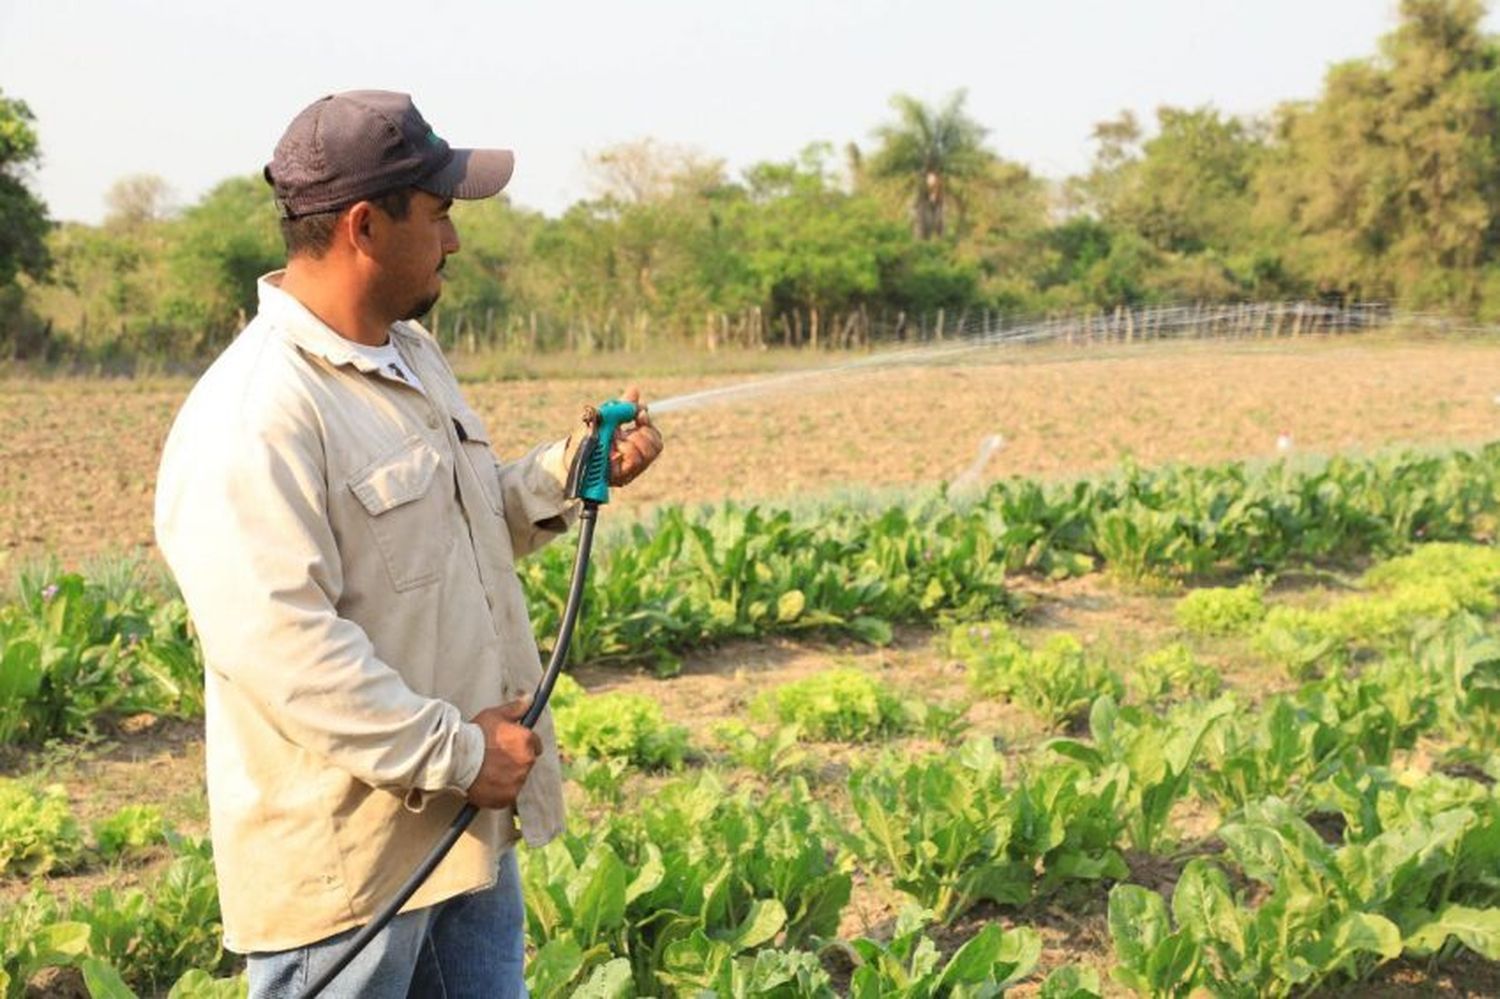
(868, 329)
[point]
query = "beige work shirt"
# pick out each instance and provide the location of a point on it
(347, 556)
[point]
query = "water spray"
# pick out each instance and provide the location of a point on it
(588, 481)
(1124, 326)
(989, 446)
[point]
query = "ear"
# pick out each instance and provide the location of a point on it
(359, 224)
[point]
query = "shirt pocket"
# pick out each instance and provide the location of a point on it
(478, 450)
(405, 512)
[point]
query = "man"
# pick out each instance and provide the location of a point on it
(345, 541)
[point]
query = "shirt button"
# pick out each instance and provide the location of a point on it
(432, 420)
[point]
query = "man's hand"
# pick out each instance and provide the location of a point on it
(635, 446)
(510, 750)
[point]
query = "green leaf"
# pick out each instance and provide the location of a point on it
(1020, 950)
(764, 920)
(609, 981)
(103, 981)
(199, 984)
(1202, 905)
(1173, 963)
(556, 963)
(1071, 981)
(872, 630)
(1365, 932)
(974, 961)
(1476, 929)
(789, 605)
(649, 877)
(596, 895)
(59, 942)
(1137, 923)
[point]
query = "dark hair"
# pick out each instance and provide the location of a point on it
(312, 235)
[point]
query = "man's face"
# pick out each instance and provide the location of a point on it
(412, 252)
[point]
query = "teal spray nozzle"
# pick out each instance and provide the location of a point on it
(588, 479)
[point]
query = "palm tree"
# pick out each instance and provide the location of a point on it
(936, 149)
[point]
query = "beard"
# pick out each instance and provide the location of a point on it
(421, 308)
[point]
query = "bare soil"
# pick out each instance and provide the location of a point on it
(78, 457)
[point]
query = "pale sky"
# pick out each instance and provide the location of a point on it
(199, 91)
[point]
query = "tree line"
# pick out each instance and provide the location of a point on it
(1384, 186)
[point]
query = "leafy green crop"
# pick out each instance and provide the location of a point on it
(38, 833)
(774, 755)
(910, 965)
(682, 890)
(1302, 642)
(1293, 745)
(69, 651)
(1171, 673)
(951, 832)
(1459, 662)
(616, 726)
(1058, 681)
(1148, 758)
(145, 939)
(1329, 912)
(1433, 584)
(741, 571)
(130, 829)
(1222, 610)
(36, 937)
(155, 937)
(845, 704)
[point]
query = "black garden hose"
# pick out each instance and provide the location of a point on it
(587, 519)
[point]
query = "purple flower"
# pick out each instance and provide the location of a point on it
(49, 591)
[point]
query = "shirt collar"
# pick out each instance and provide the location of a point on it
(306, 330)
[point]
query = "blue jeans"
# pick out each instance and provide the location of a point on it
(468, 947)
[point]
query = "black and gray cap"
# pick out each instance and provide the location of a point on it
(352, 146)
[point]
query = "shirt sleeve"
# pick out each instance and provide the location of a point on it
(242, 524)
(532, 489)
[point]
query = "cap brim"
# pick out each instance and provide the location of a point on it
(471, 173)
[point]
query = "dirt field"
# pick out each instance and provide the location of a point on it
(78, 458)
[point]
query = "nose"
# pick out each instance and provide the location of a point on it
(451, 243)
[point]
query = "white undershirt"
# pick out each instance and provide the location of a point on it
(390, 362)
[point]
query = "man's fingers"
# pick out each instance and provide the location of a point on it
(634, 454)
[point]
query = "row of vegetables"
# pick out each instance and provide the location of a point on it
(71, 650)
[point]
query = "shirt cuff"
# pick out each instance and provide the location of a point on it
(467, 758)
(545, 500)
